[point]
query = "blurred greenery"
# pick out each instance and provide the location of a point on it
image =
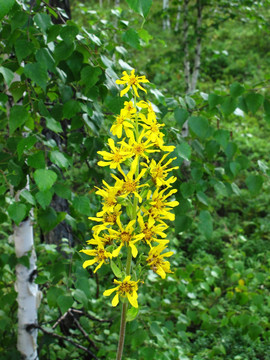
(59, 81)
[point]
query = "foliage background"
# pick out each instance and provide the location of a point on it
(58, 99)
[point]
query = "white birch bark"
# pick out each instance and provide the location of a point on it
(166, 19)
(197, 57)
(28, 295)
(178, 15)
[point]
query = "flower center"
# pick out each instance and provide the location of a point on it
(147, 234)
(139, 149)
(125, 237)
(125, 288)
(110, 201)
(117, 158)
(111, 218)
(130, 186)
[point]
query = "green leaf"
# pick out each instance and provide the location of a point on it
(64, 302)
(190, 102)
(60, 159)
(53, 294)
(62, 191)
(230, 150)
(222, 137)
(254, 331)
(37, 160)
(144, 7)
(17, 212)
(45, 179)
(71, 108)
(214, 100)
(182, 223)
(18, 116)
(254, 102)
(82, 205)
(80, 296)
(184, 151)
(180, 116)
(199, 126)
(131, 38)
(115, 269)
(5, 7)
(187, 189)
(235, 168)
(254, 183)
(63, 50)
(53, 125)
(37, 72)
(90, 76)
(43, 21)
(26, 195)
(26, 144)
(17, 89)
(48, 219)
(134, 5)
(69, 32)
(206, 224)
(144, 35)
(202, 198)
(229, 105)
(236, 89)
(23, 48)
(44, 198)
(7, 74)
(132, 313)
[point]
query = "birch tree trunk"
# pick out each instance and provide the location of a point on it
(178, 15)
(166, 18)
(28, 295)
(197, 57)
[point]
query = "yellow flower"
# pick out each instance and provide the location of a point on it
(156, 260)
(126, 236)
(109, 194)
(159, 172)
(130, 185)
(147, 105)
(107, 218)
(160, 207)
(115, 157)
(139, 148)
(126, 288)
(100, 256)
(151, 231)
(121, 123)
(132, 81)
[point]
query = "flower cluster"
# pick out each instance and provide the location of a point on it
(136, 207)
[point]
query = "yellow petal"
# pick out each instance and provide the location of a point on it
(133, 299)
(89, 263)
(110, 291)
(115, 300)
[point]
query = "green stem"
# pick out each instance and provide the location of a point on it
(122, 332)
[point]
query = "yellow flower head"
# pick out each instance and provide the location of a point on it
(132, 81)
(156, 260)
(126, 288)
(100, 256)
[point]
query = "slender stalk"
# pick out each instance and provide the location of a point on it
(122, 332)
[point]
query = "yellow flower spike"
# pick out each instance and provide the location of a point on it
(132, 81)
(126, 288)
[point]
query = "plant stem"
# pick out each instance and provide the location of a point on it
(122, 332)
